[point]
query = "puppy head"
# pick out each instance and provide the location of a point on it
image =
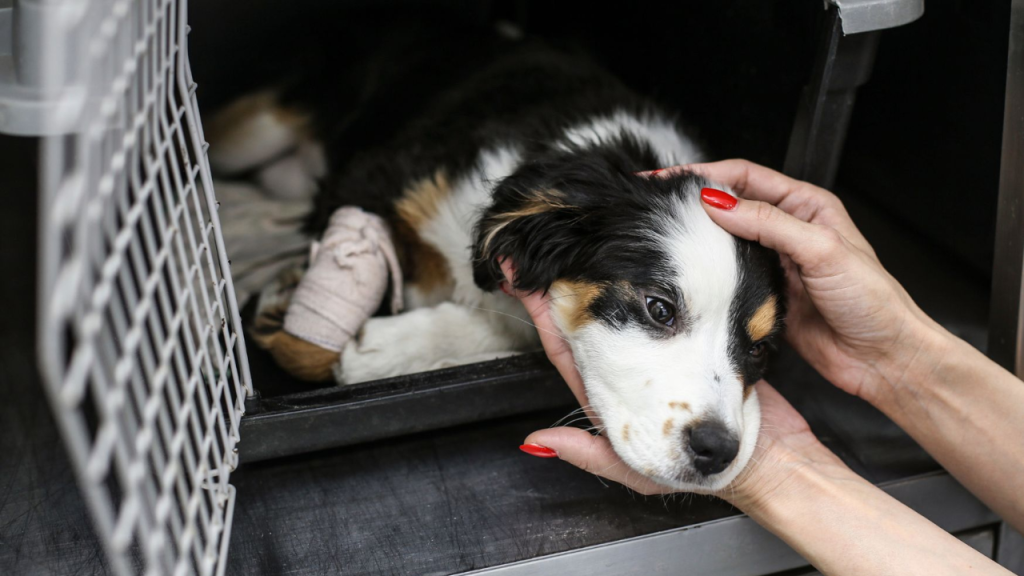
(670, 318)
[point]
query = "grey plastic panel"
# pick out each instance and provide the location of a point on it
(43, 86)
(868, 15)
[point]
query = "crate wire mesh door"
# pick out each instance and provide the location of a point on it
(140, 338)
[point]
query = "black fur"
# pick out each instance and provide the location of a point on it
(760, 277)
(600, 235)
(467, 91)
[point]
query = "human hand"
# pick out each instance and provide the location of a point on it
(785, 439)
(847, 316)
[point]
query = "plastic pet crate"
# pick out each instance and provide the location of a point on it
(141, 352)
(139, 334)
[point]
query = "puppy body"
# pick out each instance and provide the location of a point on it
(516, 150)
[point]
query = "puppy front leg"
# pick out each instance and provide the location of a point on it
(425, 339)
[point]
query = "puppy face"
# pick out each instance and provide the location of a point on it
(670, 318)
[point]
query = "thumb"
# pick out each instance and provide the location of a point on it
(592, 454)
(807, 244)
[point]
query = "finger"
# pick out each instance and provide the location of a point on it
(749, 180)
(800, 199)
(556, 347)
(803, 200)
(810, 246)
(594, 454)
(660, 172)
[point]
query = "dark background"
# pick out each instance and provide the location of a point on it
(925, 137)
(923, 146)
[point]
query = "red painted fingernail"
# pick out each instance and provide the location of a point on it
(504, 288)
(718, 199)
(538, 451)
(655, 172)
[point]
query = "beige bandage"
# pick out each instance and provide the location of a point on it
(346, 280)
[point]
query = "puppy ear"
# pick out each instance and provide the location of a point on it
(533, 227)
(563, 213)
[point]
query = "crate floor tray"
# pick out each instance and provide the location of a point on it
(319, 418)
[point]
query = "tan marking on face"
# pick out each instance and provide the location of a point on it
(679, 406)
(763, 320)
(574, 300)
(666, 429)
(537, 202)
(746, 392)
(625, 433)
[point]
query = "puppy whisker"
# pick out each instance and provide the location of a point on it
(528, 323)
(575, 420)
(569, 415)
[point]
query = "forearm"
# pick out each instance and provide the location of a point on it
(844, 525)
(968, 413)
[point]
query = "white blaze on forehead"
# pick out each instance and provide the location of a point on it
(703, 258)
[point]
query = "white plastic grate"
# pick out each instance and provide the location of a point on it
(139, 332)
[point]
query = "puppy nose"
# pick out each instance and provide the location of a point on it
(713, 447)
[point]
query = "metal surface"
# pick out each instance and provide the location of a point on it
(342, 416)
(139, 337)
(983, 540)
(1010, 552)
(1006, 330)
(738, 546)
(841, 65)
(868, 15)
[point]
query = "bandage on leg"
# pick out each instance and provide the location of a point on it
(345, 284)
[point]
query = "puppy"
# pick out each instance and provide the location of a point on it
(480, 147)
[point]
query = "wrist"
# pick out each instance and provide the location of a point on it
(842, 524)
(783, 472)
(914, 359)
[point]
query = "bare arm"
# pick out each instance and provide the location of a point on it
(968, 413)
(842, 524)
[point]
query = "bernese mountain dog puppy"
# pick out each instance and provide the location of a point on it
(477, 147)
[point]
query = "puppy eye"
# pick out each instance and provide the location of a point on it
(661, 312)
(758, 349)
